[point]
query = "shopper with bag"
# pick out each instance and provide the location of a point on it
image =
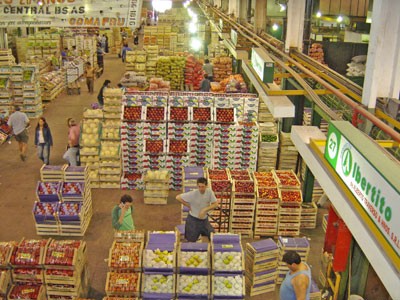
(19, 123)
(43, 140)
(71, 155)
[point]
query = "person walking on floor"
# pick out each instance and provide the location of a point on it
(89, 74)
(297, 283)
(209, 69)
(19, 122)
(100, 56)
(200, 202)
(122, 214)
(123, 51)
(71, 155)
(100, 96)
(43, 140)
(205, 84)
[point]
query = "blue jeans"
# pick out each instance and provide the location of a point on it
(71, 155)
(43, 151)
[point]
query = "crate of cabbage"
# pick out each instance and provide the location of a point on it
(268, 140)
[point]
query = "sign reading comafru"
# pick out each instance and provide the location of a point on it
(373, 188)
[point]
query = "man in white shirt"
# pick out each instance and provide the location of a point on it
(18, 121)
(200, 202)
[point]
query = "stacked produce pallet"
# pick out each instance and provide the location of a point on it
(193, 73)
(27, 270)
(268, 145)
(290, 202)
(6, 250)
(189, 177)
(52, 84)
(156, 187)
(288, 153)
(228, 266)
(222, 67)
(171, 68)
(6, 57)
(125, 265)
(32, 98)
(243, 203)
(151, 61)
(308, 215)
(193, 267)
(136, 61)
(267, 208)
(75, 70)
(65, 269)
(261, 267)
(110, 161)
(90, 143)
(316, 52)
(159, 266)
(246, 145)
(6, 99)
(300, 245)
(220, 183)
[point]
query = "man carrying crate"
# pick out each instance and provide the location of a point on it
(199, 202)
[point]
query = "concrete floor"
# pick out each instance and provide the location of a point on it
(18, 180)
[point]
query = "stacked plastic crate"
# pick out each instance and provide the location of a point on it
(190, 176)
(267, 207)
(228, 267)
(261, 266)
(65, 269)
(193, 266)
(178, 143)
(300, 245)
(290, 202)
(243, 203)
(110, 160)
(125, 265)
(90, 143)
(159, 266)
(220, 183)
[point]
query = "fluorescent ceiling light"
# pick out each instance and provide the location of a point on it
(339, 19)
(275, 27)
(161, 5)
(318, 14)
(195, 44)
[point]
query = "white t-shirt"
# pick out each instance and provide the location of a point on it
(199, 201)
(41, 137)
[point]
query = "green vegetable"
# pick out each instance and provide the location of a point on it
(269, 138)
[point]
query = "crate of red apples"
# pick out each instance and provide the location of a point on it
(6, 250)
(225, 115)
(27, 291)
(243, 187)
(179, 114)
(48, 191)
(65, 254)
(240, 174)
(264, 179)
(22, 275)
(29, 253)
(154, 146)
(156, 113)
(268, 193)
(45, 212)
(133, 113)
(220, 186)
(125, 256)
(123, 284)
(218, 174)
(73, 191)
(202, 114)
(291, 197)
(70, 212)
(286, 179)
(178, 146)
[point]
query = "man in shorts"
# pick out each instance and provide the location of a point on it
(199, 202)
(18, 121)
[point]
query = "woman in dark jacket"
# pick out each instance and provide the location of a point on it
(43, 140)
(100, 96)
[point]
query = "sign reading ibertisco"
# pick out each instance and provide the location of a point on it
(371, 176)
(70, 13)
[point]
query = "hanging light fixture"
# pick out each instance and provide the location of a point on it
(195, 44)
(275, 27)
(318, 14)
(161, 5)
(339, 19)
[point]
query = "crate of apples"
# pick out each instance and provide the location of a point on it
(29, 253)
(64, 253)
(154, 146)
(27, 291)
(48, 191)
(202, 114)
(132, 113)
(27, 274)
(218, 174)
(155, 113)
(158, 283)
(122, 284)
(158, 259)
(225, 115)
(291, 196)
(125, 255)
(178, 146)
(219, 186)
(178, 114)
(267, 193)
(73, 189)
(244, 187)
(6, 249)
(45, 211)
(69, 211)
(287, 179)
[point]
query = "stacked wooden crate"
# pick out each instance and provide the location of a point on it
(308, 215)
(300, 245)
(268, 146)
(110, 160)
(65, 269)
(125, 265)
(290, 202)
(6, 250)
(243, 203)
(156, 187)
(52, 173)
(267, 207)
(220, 183)
(261, 267)
(288, 153)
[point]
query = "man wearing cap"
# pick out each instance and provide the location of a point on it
(199, 202)
(18, 121)
(297, 283)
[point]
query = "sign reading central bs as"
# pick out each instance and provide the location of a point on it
(371, 176)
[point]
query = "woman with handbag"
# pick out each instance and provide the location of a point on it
(43, 140)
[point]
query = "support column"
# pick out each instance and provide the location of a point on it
(260, 15)
(382, 77)
(234, 7)
(295, 24)
(243, 10)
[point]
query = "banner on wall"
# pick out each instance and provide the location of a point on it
(70, 13)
